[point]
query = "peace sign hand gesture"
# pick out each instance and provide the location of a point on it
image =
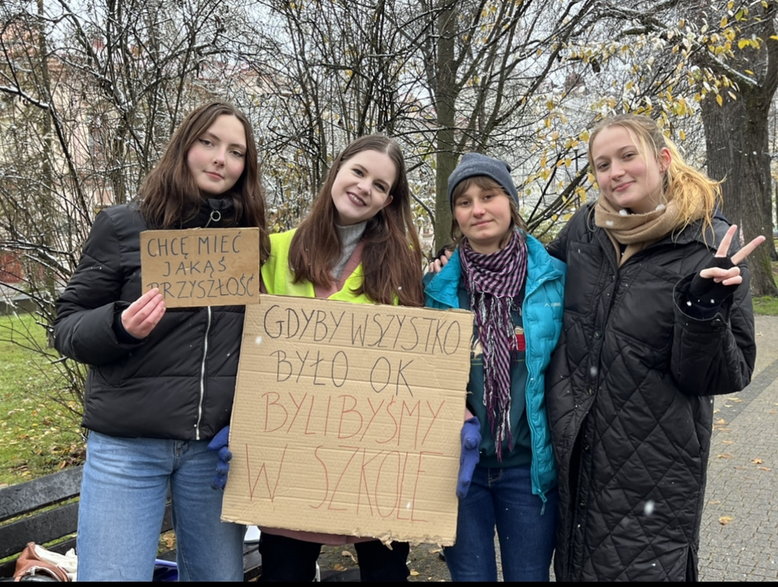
(714, 284)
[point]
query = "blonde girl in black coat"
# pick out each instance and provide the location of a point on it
(657, 319)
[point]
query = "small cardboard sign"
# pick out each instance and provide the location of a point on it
(202, 266)
(347, 419)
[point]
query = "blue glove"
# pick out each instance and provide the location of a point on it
(219, 443)
(468, 458)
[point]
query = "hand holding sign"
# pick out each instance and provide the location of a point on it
(142, 315)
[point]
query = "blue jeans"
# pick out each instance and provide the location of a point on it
(502, 498)
(125, 486)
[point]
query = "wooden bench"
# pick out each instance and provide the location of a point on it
(45, 511)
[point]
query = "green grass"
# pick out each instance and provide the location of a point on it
(766, 306)
(37, 434)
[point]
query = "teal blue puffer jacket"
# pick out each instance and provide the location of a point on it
(542, 309)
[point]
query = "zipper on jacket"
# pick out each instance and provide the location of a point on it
(202, 375)
(535, 442)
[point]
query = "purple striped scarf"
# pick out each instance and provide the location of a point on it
(493, 281)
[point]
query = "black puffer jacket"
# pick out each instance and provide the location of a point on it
(628, 396)
(176, 383)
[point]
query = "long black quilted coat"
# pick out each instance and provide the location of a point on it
(176, 383)
(629, 401)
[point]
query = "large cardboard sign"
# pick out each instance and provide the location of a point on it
(347, 419)
(202, 266)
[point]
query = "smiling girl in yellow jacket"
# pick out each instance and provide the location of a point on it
(358, 244)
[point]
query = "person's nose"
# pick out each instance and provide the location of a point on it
(219, 156)
(364, 185)
(478, 208)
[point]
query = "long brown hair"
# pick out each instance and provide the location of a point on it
(169, 194)
(391, 257)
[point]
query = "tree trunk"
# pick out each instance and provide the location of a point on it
(445, 96)
(46, 204)
(737, 140)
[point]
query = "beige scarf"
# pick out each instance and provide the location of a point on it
(636, 231)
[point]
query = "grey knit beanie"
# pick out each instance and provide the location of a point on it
(473, 164)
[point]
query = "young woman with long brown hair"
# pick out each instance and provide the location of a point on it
(161, 381)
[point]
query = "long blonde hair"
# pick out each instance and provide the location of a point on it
(692, 190)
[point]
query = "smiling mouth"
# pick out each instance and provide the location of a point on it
(356, 199)
(214, 175)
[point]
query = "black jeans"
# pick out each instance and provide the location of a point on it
(288, 559)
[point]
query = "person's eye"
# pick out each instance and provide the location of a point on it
(629, 155)
(238, 154)
(358, 172)
(602, 166)
(206, 142)
(462, 203)
(381, 188)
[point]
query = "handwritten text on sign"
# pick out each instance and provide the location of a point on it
(347, 418)
(202, 266)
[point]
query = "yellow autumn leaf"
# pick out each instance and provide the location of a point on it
(757, 461)
(414, 573)
(724, 456)
(724, 520)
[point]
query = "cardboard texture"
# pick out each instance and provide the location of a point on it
(202, 266)
(347, 419)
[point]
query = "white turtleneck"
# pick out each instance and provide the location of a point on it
(349, 237)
